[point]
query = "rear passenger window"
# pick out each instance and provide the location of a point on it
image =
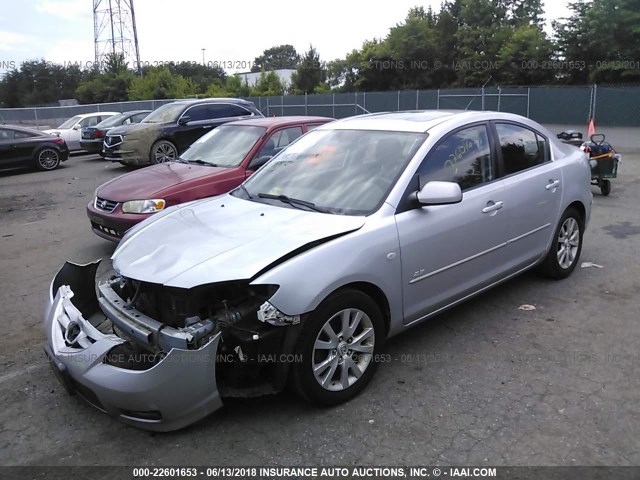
(225, 110)
(19, 134)
(89, 122)
(463, 157)
(521, 148)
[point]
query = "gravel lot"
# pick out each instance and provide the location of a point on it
(485, 383)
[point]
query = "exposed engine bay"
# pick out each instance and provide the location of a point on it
(153, 319)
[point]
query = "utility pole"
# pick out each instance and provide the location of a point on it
(203, 63)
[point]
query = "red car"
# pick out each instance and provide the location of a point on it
(216, 163)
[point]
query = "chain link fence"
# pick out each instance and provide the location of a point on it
(611, 106)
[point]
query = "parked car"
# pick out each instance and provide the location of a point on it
(359, 230)
(172, 128)
(93, 137)
(70, 130)
(219, 161)
(26, 147)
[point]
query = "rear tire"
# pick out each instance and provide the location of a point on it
(564, 253)
(163, 151)
(338, 346)
(47, 159)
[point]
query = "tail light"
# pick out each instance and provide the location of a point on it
(58, 141)
(99, 134)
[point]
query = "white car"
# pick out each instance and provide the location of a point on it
(71, 129)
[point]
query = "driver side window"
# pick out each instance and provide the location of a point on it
(276, 142)
(463, 157)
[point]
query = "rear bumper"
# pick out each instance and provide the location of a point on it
(177, 391)
(92, 146)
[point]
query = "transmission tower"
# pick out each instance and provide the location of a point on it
(114, 28)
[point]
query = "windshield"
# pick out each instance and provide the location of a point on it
(225, 146)
(347, 172)
(166, 113)
(112, 121)
(71, 122)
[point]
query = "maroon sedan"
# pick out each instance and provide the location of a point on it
(216, 163)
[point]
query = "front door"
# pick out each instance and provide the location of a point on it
(450, 251)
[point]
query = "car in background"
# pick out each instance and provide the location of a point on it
(93, 137)
(172, 128)
(27, 147)
(70, 130)
(214, 164)
(358, 231)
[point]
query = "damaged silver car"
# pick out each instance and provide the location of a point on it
(354, 233)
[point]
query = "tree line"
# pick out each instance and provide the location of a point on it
(466, 43)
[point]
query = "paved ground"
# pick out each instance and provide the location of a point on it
(485, 383)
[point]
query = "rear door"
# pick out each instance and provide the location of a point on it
(533, 191)
(450, 251)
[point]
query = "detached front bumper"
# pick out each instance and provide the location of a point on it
(177, 391)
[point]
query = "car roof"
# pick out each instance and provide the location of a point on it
(418, 121)
(84, 115)
(24, 129)
(196, 101)
(271, 122)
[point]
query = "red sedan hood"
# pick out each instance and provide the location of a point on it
(150, 181)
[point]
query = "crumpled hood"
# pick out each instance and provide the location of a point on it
(149, 182)
(220, 239)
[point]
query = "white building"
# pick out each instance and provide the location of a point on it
(252, 77)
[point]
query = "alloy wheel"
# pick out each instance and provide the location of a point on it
(343, 349)
(48, 159)
(568, 242)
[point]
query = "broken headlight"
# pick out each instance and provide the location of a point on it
(270, 314)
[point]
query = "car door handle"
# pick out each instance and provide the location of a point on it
(552, 184)
(493, 207)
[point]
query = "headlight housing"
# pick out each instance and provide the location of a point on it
(144, 206)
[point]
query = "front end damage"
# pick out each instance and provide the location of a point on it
(160, 358)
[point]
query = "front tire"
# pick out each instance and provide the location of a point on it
(605, 187)
(338, 347)
(565, 249)
(163, 151)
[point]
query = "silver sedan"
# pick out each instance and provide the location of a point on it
(357, 231)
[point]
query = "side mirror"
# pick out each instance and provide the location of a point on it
(439, 193)
(76, 126)
(184, 120)
(256, 163)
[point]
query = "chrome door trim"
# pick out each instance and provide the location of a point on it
(459, 262)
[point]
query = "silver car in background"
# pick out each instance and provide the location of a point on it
(357, 231)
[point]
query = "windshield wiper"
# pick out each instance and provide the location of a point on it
(181, 160)
(202, 162)
(294, 202)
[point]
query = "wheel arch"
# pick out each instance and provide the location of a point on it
(376, 294)
(579, 206)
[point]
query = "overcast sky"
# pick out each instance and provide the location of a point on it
(230, 31)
